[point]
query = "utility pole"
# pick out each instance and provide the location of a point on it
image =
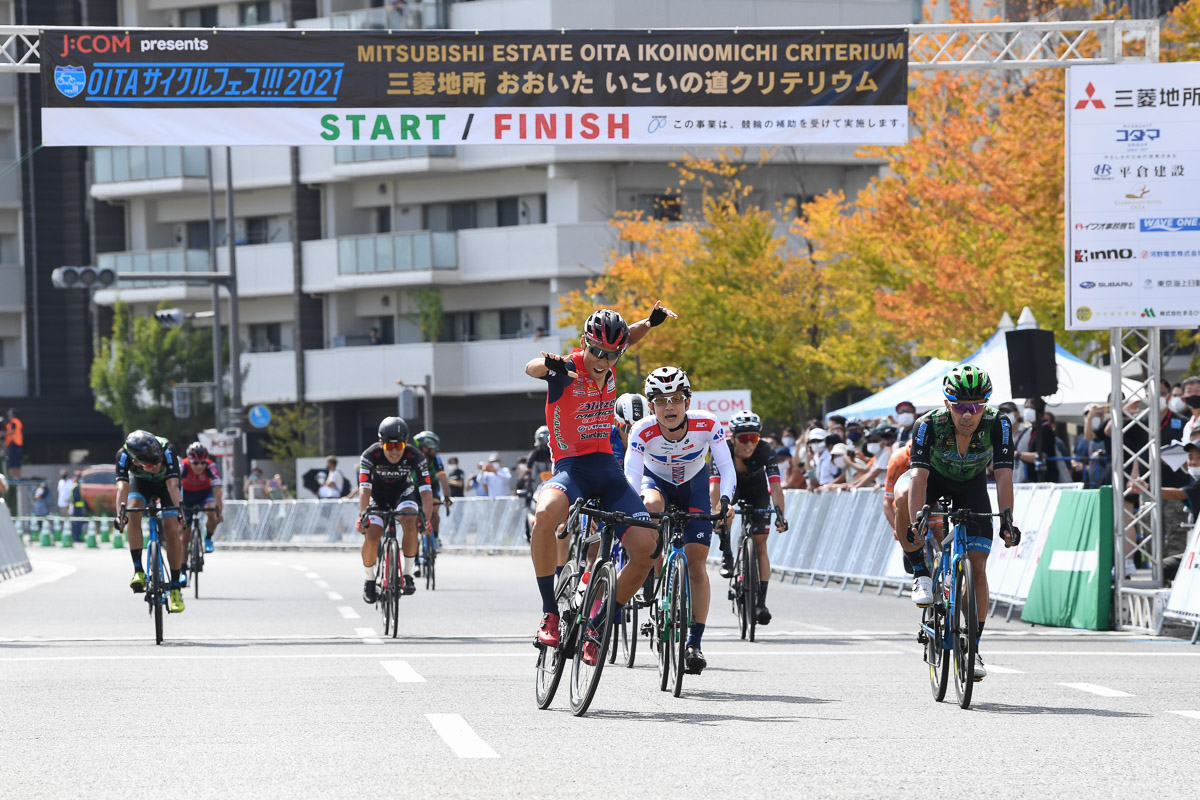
(235, 341)
(218, 388)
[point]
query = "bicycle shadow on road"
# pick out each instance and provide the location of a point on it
(725, 697)
(694, 719)
(1005, 708)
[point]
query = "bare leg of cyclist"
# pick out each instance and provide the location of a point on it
(544, 548)
(639, 545)
(173, 540)
(655, 504)
(698, 579)
(408, 545)
(982, 597)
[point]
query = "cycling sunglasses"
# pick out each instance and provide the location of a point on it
(668, 400)
(393, 445)
(969, 408)
(748, 438)
(607, 355)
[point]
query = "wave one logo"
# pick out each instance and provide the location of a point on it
(1169, 224)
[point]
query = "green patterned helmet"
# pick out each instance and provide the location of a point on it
(967, 383)
(428, 439)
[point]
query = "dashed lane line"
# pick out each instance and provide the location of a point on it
(456, 733)
(1188, 714)
(1092, 688)
(334, 596)
(402, 672)
(312, 575)
(322, 584)
(299, 567)
(996, 669)
(368, 635)
(348, 613)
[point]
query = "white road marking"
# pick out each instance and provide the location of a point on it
(996, 669)
(455, 732)
(43, 572)
(1188, 714)
(312, 575)
(347, 612)
(322, 584)
(402, 672)
(813, 627)
(368, 635)
(1092, 688)
(300, 567)
(334, 596)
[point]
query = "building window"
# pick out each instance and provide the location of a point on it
(204, 17)
(266, 338)
(665, 207)
(383, 220)
(258, 13)
(257, 230)
(530, 322)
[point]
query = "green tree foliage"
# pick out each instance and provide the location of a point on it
(294, 433)
(136, 367)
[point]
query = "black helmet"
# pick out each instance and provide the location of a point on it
(607, 329)
(197, 451)
(393, 429)
(144, 447)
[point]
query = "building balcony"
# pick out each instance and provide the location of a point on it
(128, 171)
(351, 373)
(264, 270)
(12, 287)
(523, 252)
(415, 16)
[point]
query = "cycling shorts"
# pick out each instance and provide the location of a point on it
(401, 505)
(691, 496)
(198, 499)
(970, 494)
(597, 475)
(148, 490)
(757, 495)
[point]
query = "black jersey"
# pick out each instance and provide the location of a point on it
(760, 467)
(385, 479)
(126, 467)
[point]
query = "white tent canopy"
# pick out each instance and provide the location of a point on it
(1079, 383)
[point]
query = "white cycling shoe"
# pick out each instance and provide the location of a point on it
(922, 591)
(980, 669)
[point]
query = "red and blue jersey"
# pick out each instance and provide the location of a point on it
(192, 481)
(579, 413)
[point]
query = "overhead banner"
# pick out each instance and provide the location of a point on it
(1133, 196)
(296, 87)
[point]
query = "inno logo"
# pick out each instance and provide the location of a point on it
(1084, 256)
(1089, 91)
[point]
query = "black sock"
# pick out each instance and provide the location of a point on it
(916, 561)
(696, 633)
(557, 571)
(762, 592)
(175, 575)
(648, 585)
(137, 558)
(546, 589)
(979, 636)
(208, 537)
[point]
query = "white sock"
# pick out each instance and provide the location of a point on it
(408, 564)
(370, 572)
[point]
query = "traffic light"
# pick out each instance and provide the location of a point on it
(170, 317)
(181, 398)
(83, 277)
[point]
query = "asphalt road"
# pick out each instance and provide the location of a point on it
(275, 683)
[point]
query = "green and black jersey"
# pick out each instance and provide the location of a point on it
(934, 446)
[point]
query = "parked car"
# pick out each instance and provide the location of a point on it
(99, 487)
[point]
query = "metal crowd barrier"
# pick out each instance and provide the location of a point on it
(475, 524)
(13, 560)
(1183, 603)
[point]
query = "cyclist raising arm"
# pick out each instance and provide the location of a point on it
(665, 460)
(757, 484)
(580, 393)
(951, 448)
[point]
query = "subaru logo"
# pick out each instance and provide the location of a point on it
(70, 80)
(1087, 285)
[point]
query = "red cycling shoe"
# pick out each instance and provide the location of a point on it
(548, 634)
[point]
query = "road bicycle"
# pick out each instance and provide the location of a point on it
(671, 615)
(389, 566)
(194, 516)
(158, 578)
(427, 555)
(950, 625)
(583, 595)
(743, 584)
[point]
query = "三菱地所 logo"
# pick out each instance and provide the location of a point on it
(70, 80)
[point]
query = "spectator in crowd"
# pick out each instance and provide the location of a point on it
(41, 500)
(78, 506)
(456, 477)
(276, 489)
(835, 474)
(477, 484)
(497, 478)
(1187, 496)
(906, 417)
(879, 447)
(335, 485)
(814, 449)
(788, 439)
(1009, 409)
(854, 432)
(14, 442)
(63, 495)
(3, 489)
(373, 336)
(837, 427)
(1190, 395)
(826, 471)
(253, 488)
(1091, 462)
(1035, 443)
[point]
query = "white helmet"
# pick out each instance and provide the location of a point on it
(667, 380)
(630, 408)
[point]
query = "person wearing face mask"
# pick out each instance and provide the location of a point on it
(1037, 443)
(1009, 409)
(1090, 451)
(814, 449)
(826, 471)
(1190, 396)
(839, 464)
(789, 439)
(906, 416)
(879, 448)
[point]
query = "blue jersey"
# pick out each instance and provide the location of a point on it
(618, 447)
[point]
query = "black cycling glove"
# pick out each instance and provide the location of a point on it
(658, 316)
(557, 364)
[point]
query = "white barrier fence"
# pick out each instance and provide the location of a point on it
(13, 560)
(475, 524)
(1183, 603)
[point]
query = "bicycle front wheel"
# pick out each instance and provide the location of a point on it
(677, 628)
(965, 629)
(395, 585)
(154, 592)
(197, 561)
(599, 604)
(629, 629)
(750, 600)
